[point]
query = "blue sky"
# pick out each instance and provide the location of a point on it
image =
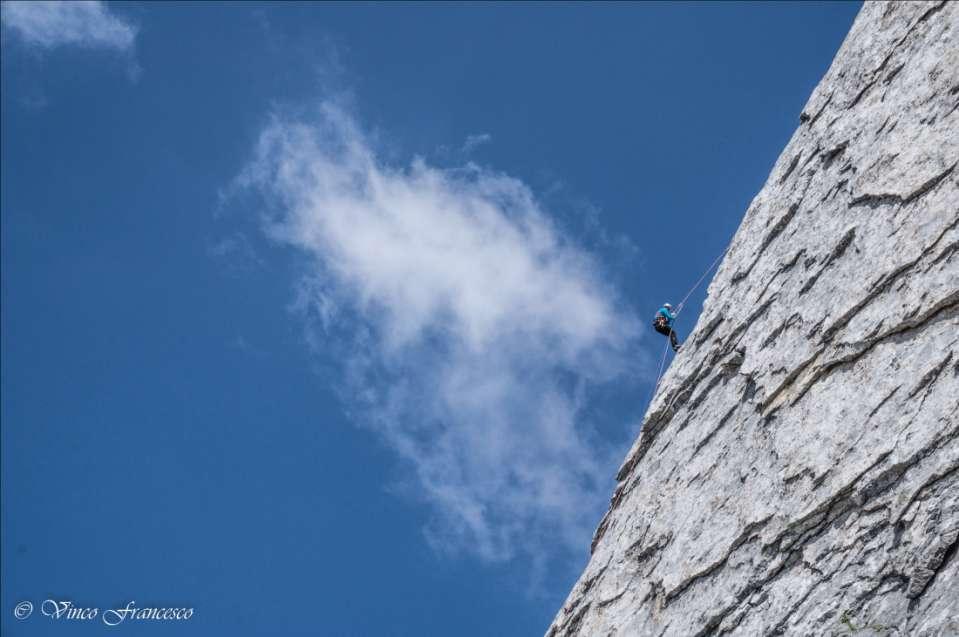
(334, 319)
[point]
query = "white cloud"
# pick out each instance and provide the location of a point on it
(474, 331)
(236, 252)
(472, 141)
(53, 23)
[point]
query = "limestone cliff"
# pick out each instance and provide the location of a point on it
(797, 469)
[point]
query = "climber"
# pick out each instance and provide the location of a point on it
(664, 324)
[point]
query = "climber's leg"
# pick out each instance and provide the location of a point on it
(665, 330)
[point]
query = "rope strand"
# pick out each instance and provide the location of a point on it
(693, 289)
(679, 309)
(659, 374)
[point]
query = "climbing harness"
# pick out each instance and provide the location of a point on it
(679, 308)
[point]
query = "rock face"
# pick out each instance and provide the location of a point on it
(798, 469)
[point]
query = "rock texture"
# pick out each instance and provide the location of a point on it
(797, 469)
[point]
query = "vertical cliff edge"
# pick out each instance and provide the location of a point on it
(797, 469)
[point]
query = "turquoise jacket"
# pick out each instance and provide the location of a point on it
(670, 317)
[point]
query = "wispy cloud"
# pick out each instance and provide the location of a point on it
(472, 141)
(475, 330)
(53, 23)
(236, 253)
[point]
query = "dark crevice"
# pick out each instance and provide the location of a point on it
(815, 328)
(606, 602)
(713, 622)
(708, 330)
(925, 16)
(944, 255)
(891, 475)
(882, 284)
(657, 421)
(769, 238)
(737, 334)
(590, 582)
(789, 380)
(600, 530)
(874, 201)
(709, 436)
(885, 121)
(893, 199)
(943, 310)
(812, 120)
(573, 625)
(938, 564)
(643, 555)
(882, 402)
(749, 533)
(776, 333)
(930, 377)
(779, 227)
(893, 73)
(780, 627)
(836, 253)
(792, 167)
(815, 154)
(694, 403)
(932, 480)
(862, 92)
(834, 153)
(878, 70)
(835, 190)
(805, 473)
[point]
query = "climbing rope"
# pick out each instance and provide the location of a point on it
(679, 309)
(696, 285)
(659, 374)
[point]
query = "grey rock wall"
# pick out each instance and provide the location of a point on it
(797, 469)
